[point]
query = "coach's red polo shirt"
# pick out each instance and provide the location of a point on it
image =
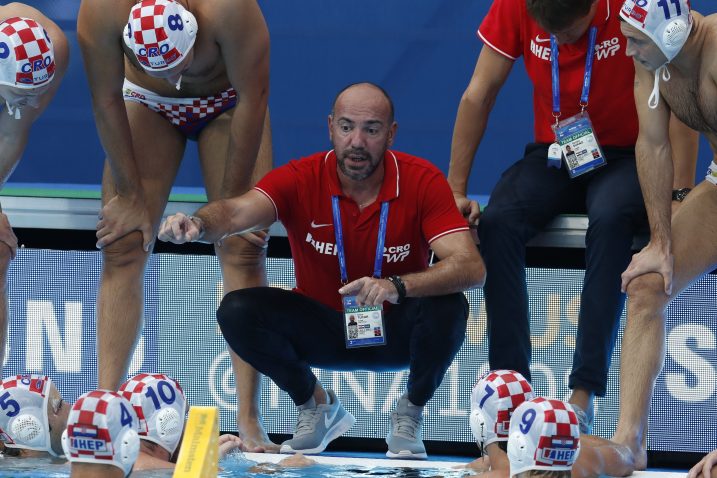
(421, 209)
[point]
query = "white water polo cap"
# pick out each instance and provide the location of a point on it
(102, 429)
(667, 23)
(161, 407)
(23, 412)
(160, 33)
(493, 400)
(544, 435)
(27, 59)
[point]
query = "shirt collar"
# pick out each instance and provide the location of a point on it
(602, 13)
(389, 187)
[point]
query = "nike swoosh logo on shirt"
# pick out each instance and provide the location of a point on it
(329, 420)
(314, 225)
(541, 40)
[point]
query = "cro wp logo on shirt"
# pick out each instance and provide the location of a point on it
(390, 253)
(540, 47)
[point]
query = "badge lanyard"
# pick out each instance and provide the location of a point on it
(338, 232)
(556, 72)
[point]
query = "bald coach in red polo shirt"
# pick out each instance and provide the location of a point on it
(360, 219)
(574, 54)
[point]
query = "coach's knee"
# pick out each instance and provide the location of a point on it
(236, 315)
(127, 251)
(646, 294)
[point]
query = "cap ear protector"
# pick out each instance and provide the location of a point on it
(518, 452)
(478, 426)
(169, 426)
(27, 429)
(674, 35)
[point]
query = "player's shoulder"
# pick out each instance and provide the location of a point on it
(104, 16)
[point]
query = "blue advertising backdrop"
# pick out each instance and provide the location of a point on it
(52, 331)
(423, 53)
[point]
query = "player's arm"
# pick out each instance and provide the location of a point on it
(654, 157)
(99, 33)
(489, 75)
(244, 42)
(601, 457)
(706, 467)
(251, 211)
(655, 170)
(14, 133)
(684, 142)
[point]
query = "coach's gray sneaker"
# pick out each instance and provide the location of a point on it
(318, 425)
(585, 419)
(405, 439)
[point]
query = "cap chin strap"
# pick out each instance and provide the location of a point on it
(654, 99)
(13, 111)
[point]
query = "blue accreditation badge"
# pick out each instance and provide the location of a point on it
(578, 143)
(363, 325)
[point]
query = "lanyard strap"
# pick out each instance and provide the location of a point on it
(339, 234)
(555, 72)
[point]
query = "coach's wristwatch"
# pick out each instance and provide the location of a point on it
(680, 194)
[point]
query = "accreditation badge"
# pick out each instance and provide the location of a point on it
(580, 147)
(363, 325)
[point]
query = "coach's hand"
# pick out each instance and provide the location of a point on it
(180, 228)
(371, 291)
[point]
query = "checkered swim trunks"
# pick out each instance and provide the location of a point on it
(189, 115)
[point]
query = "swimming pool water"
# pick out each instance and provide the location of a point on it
(236, 465)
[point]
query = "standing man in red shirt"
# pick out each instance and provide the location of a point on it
(582, 160)
(360, 219)
(162, 72)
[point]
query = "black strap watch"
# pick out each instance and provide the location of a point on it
(400, 287)
(680, 194)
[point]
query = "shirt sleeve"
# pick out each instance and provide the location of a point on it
(280, 186)
(440, 215)
(501, 28)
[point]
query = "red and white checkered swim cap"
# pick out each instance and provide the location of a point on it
(23, 416)
(102, 429)
(160, 405)
(160, 33)
(27, 59)
(493, 400)
(544, 435)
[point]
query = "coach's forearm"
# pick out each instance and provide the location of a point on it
(214, 220)
(456, 273)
